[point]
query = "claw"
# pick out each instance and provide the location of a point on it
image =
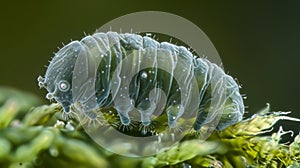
(41, 81)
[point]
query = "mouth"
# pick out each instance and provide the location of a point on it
(66, 106)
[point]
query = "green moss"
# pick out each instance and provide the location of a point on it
(41, 137)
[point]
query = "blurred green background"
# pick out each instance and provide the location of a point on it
(258, 42)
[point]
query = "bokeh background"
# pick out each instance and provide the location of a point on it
(258, 42)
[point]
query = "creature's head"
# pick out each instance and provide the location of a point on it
(58, 77)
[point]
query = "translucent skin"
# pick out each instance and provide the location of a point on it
(168, 67)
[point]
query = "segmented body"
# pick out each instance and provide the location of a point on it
(141, 79)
